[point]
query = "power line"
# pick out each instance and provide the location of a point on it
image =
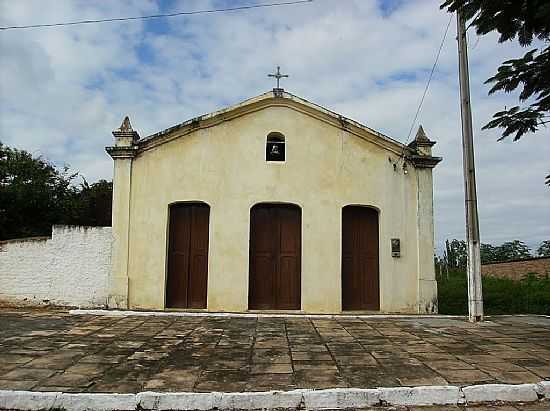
(429, 80)
(158, 16)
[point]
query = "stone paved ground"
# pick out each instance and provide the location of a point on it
(47, 350)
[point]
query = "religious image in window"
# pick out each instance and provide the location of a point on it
(275, 147)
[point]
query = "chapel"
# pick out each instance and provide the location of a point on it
(273, 204)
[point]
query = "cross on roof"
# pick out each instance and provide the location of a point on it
(278, 75)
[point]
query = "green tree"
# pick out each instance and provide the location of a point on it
(455, 253)
(34, 195)
(94, 204)
(512, 250)
(489, 253)
(524, 21)
(544, 249)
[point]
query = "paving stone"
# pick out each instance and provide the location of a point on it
(269, 382)
(56, 361)
(364, 360)
(419, 381)
(67, 379)
(316, 380)
(500, 366)
(271, 355)
(465, 377)
(87, 368)
(58, 389)
(315, 366)
(226, 365)
(311, 355)
(271, 369)
(28, 374)
(173, 380)
(448, 365)
(126, 386)
(102, 359)
(14, 359)
(224, 381)
(17, 384)
(543, 372)
(514, 377)
(308, 347)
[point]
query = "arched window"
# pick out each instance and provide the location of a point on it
(275, 147)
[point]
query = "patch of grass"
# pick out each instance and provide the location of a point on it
(530, 295)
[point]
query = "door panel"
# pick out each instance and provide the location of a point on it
(360, 276)
(187, 282)
(275, 252)
(198, 269)
(288, 293)
(262, 262)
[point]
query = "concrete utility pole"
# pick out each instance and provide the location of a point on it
(475, 294)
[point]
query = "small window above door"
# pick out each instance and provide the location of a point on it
(275, 147)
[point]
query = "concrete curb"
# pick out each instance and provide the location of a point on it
(129, 313)
(27, 400)
(428, 395)
(97, 402)
(500, 392)
(337, 398)
(543, 389)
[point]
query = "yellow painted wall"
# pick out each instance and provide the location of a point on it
(326, 168)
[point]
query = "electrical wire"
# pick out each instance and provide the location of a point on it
(158, 16)
(429, 81)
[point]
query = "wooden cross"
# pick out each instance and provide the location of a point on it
(278, 75)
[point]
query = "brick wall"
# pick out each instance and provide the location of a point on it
(516, 270)
(70, 268)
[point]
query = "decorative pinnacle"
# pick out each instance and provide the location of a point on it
(421, 135)
(126, 126)
(125, 134)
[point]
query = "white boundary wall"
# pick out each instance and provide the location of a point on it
(70, 268)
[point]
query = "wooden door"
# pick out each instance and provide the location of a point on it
(187, 282)
(275, 257)
(360, 283)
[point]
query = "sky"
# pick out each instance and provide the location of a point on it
(63, 90)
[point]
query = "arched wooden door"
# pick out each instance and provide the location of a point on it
(275, 257)
(187, 279)
(360, 282)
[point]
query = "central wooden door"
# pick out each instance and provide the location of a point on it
(275, 257)
(360, 283)
(187, 281)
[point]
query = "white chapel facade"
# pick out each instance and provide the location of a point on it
(273, 204)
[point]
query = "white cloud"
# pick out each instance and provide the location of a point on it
(63, 90)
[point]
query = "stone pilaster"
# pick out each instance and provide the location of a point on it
(122, 152)
(424, 163)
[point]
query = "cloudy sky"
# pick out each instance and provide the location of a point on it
(62, 90)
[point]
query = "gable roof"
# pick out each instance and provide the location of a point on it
(274, 98)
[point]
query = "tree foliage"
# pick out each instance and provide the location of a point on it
(524, 21)
(544, 249)
(512, 250)
(455, 255)
(489, 253)
(35, 194)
